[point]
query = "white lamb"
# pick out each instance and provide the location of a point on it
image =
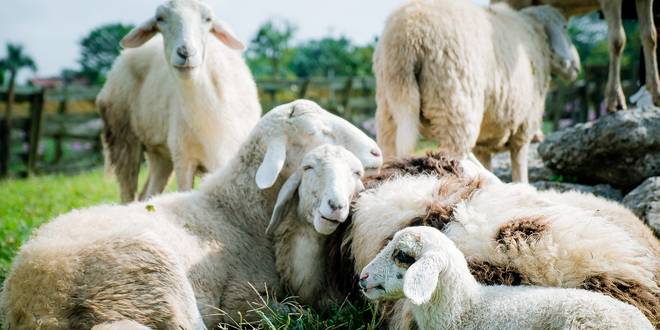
(186, 97)
(468, 77)
(424, 266)
(179, 259)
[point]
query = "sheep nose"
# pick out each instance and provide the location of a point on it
(363, 281)
(334, 206)
(185, 51)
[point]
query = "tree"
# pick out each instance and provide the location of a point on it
(99, 50)
(15, 61)
(331, 57)
(269, 48)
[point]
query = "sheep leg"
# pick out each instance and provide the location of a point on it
(185, 174)
(614, 98)
(649, 42)
(484, 157)
(519, 163)
(385, 129)
(160, 170)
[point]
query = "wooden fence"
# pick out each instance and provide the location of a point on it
(50, 119)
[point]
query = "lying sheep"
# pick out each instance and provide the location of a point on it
(301, 224)
(186, 97)
(182, 259)
(468, 77)
(424, 266)
(512, 235)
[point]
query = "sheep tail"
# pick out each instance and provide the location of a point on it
(401, 69)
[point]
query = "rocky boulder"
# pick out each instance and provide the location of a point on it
(644, 201)
(622, 149)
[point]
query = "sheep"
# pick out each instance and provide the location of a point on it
(614, 98)
(424, 266)
(181, 258)
(357, 240)
(513, 235)
(182, 93)
(300, 225)
(470, 78)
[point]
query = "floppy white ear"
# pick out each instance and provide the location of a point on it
(140, 34)
(283, 198)
(221, 31)
(272, 164)
(421, 279)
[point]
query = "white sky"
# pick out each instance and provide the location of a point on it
(50, 30)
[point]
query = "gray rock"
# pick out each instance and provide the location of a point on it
(501, 165)
(622, 149)
(601, 190)
(644, 201)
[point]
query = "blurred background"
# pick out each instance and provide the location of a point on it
(54, 56)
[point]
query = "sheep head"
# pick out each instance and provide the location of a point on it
(292, 130)
(185, 26)
(326, 181)
(565, 61)
(408, 266)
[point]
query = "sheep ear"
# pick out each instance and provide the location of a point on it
(283, 198)
(554, 26)
(221, 31)
(421, 280)
(140, 34)
(272, 164)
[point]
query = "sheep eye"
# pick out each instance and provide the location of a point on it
(403, 258)
(207, 20)
(307, 167)
(358, 173)
(160, 19)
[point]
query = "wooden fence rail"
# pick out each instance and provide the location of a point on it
(351, 98)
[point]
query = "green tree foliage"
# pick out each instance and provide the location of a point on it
(331, 57)
(271, 54)
(270, 47)
(99, 50)
(589, 34)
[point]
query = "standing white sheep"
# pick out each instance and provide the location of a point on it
(180, 259)
(424, 266)
(614, 98)
(468, 77)
(186, 97)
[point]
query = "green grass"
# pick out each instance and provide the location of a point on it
(28, 203)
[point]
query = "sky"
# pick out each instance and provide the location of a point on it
(50, 30)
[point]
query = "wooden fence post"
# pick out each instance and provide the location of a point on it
(36, 116)
(61, 110)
